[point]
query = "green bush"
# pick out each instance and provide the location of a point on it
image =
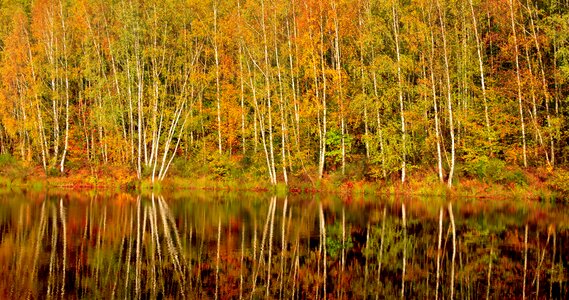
(515, 176)
(7, 160)
(484, 168)
(559, 182)
(181, 167)
(493, 170)
(219, 165)
(53, 172)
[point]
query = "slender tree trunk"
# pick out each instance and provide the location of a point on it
(217, 87)
(140, 90)
(66, 70)
(519, 83)
(339, 85)
(324, 92)
(241, 83)
(550, 162)
(533, 111)
(481, 68)
(296, 123)
(269, 95)
(449, 95)
(435, 105)
(282, 103)
(379, 129)
(400, 92)
(261, 119)
(363, 87)
(40, 127)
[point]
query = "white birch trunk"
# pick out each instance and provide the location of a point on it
(449, 95)
(217, 87)
(481, 68)
(519, 84)
(66, 70)
(400, 93)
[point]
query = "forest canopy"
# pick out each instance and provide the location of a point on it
(285, 86)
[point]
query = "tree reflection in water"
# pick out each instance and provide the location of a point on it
(209, 245)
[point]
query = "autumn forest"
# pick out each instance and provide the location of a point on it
(283, 88)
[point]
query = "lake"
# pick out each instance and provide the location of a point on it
(204, 244)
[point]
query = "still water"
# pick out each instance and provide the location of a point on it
(207, 245)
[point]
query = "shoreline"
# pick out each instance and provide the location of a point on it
(423, 186)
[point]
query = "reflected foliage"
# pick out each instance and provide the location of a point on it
(110, 245)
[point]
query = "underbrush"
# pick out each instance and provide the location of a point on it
(479, 177)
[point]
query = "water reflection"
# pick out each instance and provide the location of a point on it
(208, 245)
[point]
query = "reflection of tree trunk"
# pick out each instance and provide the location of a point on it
(138, 261)
(380, 259)
(323, 245)
(296, 266)
(343, 261)
(217, 258)
(283, 249)
(453, 250)
(64, 251)
(271, 230)
(257, 264)
(539, 262)
(404, 250)
(241, 262)
(439, 252)
(366, 257)
(525, 262)
(552, 265)
(489, 272)
(51, 277)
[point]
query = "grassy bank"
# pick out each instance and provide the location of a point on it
(481, 182)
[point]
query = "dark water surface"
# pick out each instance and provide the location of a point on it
(202, 245)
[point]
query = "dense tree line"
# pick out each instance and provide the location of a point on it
(291, 85)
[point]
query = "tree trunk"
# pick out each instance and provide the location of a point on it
(435, 106)
(449, 95)
(339, 86)
(400, 93)
(519, 84)
(217, 87)
(481, 68)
